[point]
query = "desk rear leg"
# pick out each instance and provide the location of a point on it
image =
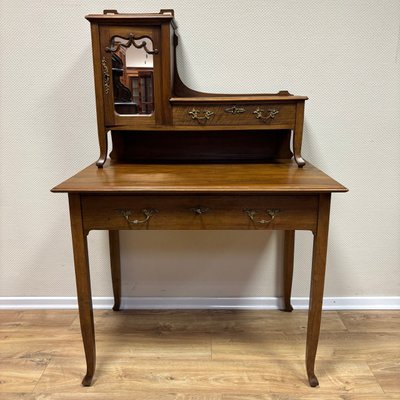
(288, 260)
(82, 275)
(115, 261)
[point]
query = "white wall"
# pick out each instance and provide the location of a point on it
(344, 55)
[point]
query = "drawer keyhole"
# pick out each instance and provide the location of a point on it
(200, 210)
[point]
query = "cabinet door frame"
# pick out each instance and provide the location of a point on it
(111, 117)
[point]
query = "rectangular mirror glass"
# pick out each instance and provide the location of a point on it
(132, 74)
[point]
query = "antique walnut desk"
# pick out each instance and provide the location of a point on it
(183, 159)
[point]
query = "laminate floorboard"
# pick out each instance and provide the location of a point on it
(196, 355)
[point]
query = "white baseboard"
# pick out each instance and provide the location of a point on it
(184, 303)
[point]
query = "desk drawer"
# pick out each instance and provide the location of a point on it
(195, 212)
(263, 114)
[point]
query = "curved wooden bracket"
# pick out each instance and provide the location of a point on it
(103, 147)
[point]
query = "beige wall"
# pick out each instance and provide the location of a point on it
(343, 54)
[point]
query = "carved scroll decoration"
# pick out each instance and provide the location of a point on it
(106, 76)
(115, 44)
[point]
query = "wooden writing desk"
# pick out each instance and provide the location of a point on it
(220, 161)
(274, 196)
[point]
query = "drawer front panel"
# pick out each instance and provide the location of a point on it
(278, 115)
(199, 212)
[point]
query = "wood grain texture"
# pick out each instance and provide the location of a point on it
(200, 145)
(198, 355)
(387, 373)
(216, 98)
(20, 374)
(98, 78)
(285, 118)
(320, 248)
(209, 377)
(279, 177)
(172, 98)
(83, 287)
(176, 395)
(205, 321)
(287, 203)
(220, 212)
(371, 322)
(130, 18)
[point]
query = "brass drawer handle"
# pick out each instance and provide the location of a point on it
(271, 114)
(126, 213)
(195, 115)
(272, 212)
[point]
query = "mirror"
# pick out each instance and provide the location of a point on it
(132, 73)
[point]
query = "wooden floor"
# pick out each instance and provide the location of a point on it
(216, 355)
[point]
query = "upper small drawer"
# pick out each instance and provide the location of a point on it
(278, 115)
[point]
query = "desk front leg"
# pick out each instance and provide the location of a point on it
(320, 247)
(82, 275)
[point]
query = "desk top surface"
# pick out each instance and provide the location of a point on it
(282, 176)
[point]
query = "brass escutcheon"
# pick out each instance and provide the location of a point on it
(235, 110)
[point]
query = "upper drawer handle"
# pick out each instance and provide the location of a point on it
(126, 213)
(271, 114)
(195, 115)
(272, 212)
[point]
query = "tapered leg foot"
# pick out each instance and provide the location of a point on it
(101, 161)
(300, 161)
(116, 307)
(312, 379)
(287, 308)
(87, 380)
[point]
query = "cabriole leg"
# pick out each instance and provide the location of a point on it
(317, 286)
(82, 275)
